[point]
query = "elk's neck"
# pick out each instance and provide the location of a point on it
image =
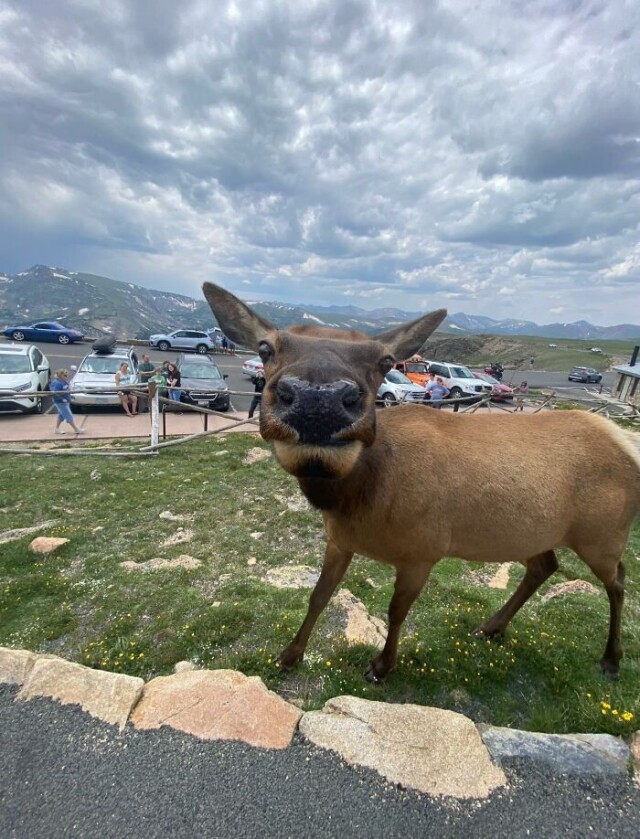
(347, 495)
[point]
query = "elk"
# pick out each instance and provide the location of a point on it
(410, 485)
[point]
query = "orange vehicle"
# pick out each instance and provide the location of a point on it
(416, 370)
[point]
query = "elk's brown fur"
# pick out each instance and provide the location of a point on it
(409, 486)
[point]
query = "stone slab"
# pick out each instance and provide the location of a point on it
(428, 749)
(107, 696)
(591, 754)
(218, 705)
(15, 665)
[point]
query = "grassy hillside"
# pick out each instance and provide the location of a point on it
(516, 352)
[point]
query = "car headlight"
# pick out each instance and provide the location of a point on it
(22, 388)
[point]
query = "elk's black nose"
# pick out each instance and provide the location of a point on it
(318, 411)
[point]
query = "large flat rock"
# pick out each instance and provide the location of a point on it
(108, 696)
(428, 749)
(600, 754)
(218, 705)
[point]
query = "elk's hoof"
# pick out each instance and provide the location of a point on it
(610, 670)
(488, 634)
(371, 677)
(288, 659)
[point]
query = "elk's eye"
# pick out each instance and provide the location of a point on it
(386, 364)
(265, 351)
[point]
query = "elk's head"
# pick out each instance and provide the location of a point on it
(318, 405)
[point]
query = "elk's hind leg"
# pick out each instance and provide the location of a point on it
(539, 569)
(610, 570)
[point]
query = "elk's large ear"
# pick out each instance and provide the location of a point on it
(407, 339)
(236, 319)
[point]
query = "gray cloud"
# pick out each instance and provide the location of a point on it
(412, 153)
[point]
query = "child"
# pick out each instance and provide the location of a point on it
(521, 390)
(62, 399)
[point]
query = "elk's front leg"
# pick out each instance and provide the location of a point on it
(335, 565)
(410, 581)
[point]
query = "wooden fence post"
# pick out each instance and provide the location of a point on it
(154, 408)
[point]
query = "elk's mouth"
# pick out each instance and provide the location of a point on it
(331, 460)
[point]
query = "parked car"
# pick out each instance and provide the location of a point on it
(22, 369)
(460, 380)
(43, 331)
(203, 384)
(596, 349)
(499, 391)
(183, 339)
(252, 366)
(397, 388)
(417, 371)
(584, 374)
(94, 385)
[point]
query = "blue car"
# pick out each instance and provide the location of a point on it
(44, 331)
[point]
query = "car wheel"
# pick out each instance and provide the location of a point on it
(388, 400)
(203, 349)
(164, 346)
(17, 335)
(37, 408)
(63, 339)
(455, 393)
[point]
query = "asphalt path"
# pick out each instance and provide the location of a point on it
(63, 774)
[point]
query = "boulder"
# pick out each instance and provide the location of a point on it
(108, 696)
(218, 705)
(433, 751)
(15, 665)
(46, 544)
(597, 754)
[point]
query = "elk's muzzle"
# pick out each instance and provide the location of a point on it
(317, 412)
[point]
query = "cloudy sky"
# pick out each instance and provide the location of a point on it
(479, 156)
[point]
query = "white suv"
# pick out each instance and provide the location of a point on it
(460, 380)
(396, 387)
(22, 369)
(94, 382)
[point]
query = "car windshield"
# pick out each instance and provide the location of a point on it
(417, 367)
(14, 364)
(487, 378)
(398, 378)
(461, 373)
(200, 371)
(101, 364)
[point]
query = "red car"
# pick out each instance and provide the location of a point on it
(500, 392)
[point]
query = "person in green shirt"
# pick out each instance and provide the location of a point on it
(145, 371)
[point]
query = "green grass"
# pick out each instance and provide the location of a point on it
(80, 603)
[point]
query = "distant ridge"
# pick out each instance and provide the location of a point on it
(100, 305)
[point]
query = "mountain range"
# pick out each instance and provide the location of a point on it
(99, 305)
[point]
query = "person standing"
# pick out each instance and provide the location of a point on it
(145, 371)
(521, 390)
(62, 401)
(173, 381)
(259, 382)
(438, 392)
(128, 400)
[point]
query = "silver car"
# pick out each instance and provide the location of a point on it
(183, 339)
(94, 381)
